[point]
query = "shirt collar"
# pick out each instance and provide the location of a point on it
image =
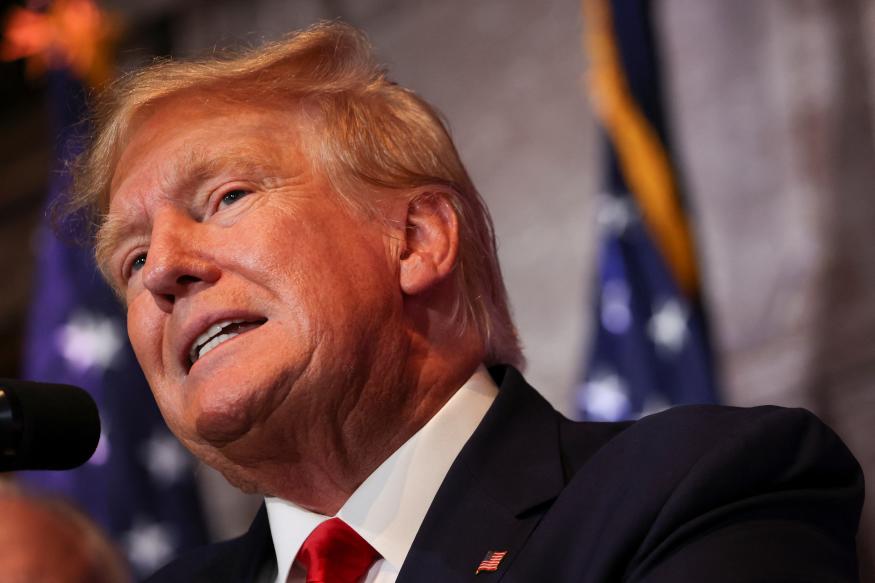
(388, 508)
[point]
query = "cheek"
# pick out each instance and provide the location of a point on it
(145, 330)
(264, 252)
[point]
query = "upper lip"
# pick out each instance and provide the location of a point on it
(197, 326)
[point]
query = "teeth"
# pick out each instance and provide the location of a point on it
(215, 342)
(209, 339)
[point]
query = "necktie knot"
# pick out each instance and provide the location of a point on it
(335, 553)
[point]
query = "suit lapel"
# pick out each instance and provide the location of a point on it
(495, 492)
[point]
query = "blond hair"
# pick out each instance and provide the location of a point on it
(373, 133)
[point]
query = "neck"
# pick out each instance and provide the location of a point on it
(387, 416)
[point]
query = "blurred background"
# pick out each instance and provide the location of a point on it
(751, 122)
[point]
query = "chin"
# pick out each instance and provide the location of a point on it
(219, 428)
(222, 414)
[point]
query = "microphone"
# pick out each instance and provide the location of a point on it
(46, 426)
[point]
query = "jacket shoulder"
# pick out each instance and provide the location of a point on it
(682, 437)
(715, 493)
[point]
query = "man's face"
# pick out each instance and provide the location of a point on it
(258, 306)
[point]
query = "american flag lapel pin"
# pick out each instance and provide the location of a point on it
(490, 562)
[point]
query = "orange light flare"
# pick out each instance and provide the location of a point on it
(72, 34)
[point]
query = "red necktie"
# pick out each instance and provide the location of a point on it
(335, 553)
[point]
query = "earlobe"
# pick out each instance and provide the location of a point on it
(431, 242)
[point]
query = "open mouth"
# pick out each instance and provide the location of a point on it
(217, 334)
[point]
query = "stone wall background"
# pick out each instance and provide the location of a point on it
(773, 110)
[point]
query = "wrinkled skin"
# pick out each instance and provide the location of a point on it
(216, 213)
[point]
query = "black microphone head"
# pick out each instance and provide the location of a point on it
(47, 426)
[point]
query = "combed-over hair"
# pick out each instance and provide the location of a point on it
(372, 133)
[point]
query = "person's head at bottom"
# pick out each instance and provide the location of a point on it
(45, 540)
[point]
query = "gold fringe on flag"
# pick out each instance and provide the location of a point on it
(642, 157)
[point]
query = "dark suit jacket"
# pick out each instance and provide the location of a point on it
(699, 493)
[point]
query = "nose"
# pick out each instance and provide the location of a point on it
(179, 260)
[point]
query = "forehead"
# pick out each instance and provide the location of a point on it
(193, 134)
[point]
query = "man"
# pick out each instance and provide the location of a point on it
(313, 292)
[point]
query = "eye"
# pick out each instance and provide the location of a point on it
(135, 265)
(232, 196)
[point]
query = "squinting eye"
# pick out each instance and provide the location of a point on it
(138, 262)
(233, 196)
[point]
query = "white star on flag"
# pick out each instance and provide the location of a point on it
(668, 326)
(605, 397)
(149, 546)
(615, 313)
(165, 458)
(615, 213)
(89, 341)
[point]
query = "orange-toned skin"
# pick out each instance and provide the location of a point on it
(356, 351)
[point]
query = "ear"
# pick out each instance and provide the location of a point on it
(431, 242)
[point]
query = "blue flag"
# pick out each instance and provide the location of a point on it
(139, 484)
(650, 349)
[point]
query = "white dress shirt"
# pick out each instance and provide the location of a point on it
(390, 505)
